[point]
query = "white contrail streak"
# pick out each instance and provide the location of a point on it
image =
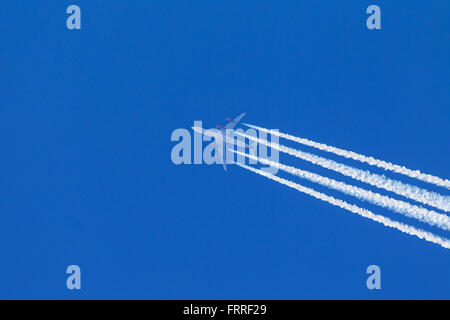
(355, 209)
(428, 216)
(359, 157)
(430, 198)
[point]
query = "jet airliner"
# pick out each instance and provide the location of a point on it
(223, 136)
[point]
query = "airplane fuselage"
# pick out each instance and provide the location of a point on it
(221, 136)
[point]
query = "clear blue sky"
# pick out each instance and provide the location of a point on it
(86, 118)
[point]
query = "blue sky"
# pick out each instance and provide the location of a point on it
(86, 118)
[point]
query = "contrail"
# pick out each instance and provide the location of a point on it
(445, 243)
(428, 216)
(359, 157)
(433, 199)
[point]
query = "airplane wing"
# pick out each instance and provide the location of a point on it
(220, 155)
(234, 122)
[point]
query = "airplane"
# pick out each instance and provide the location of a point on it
(225, 136)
